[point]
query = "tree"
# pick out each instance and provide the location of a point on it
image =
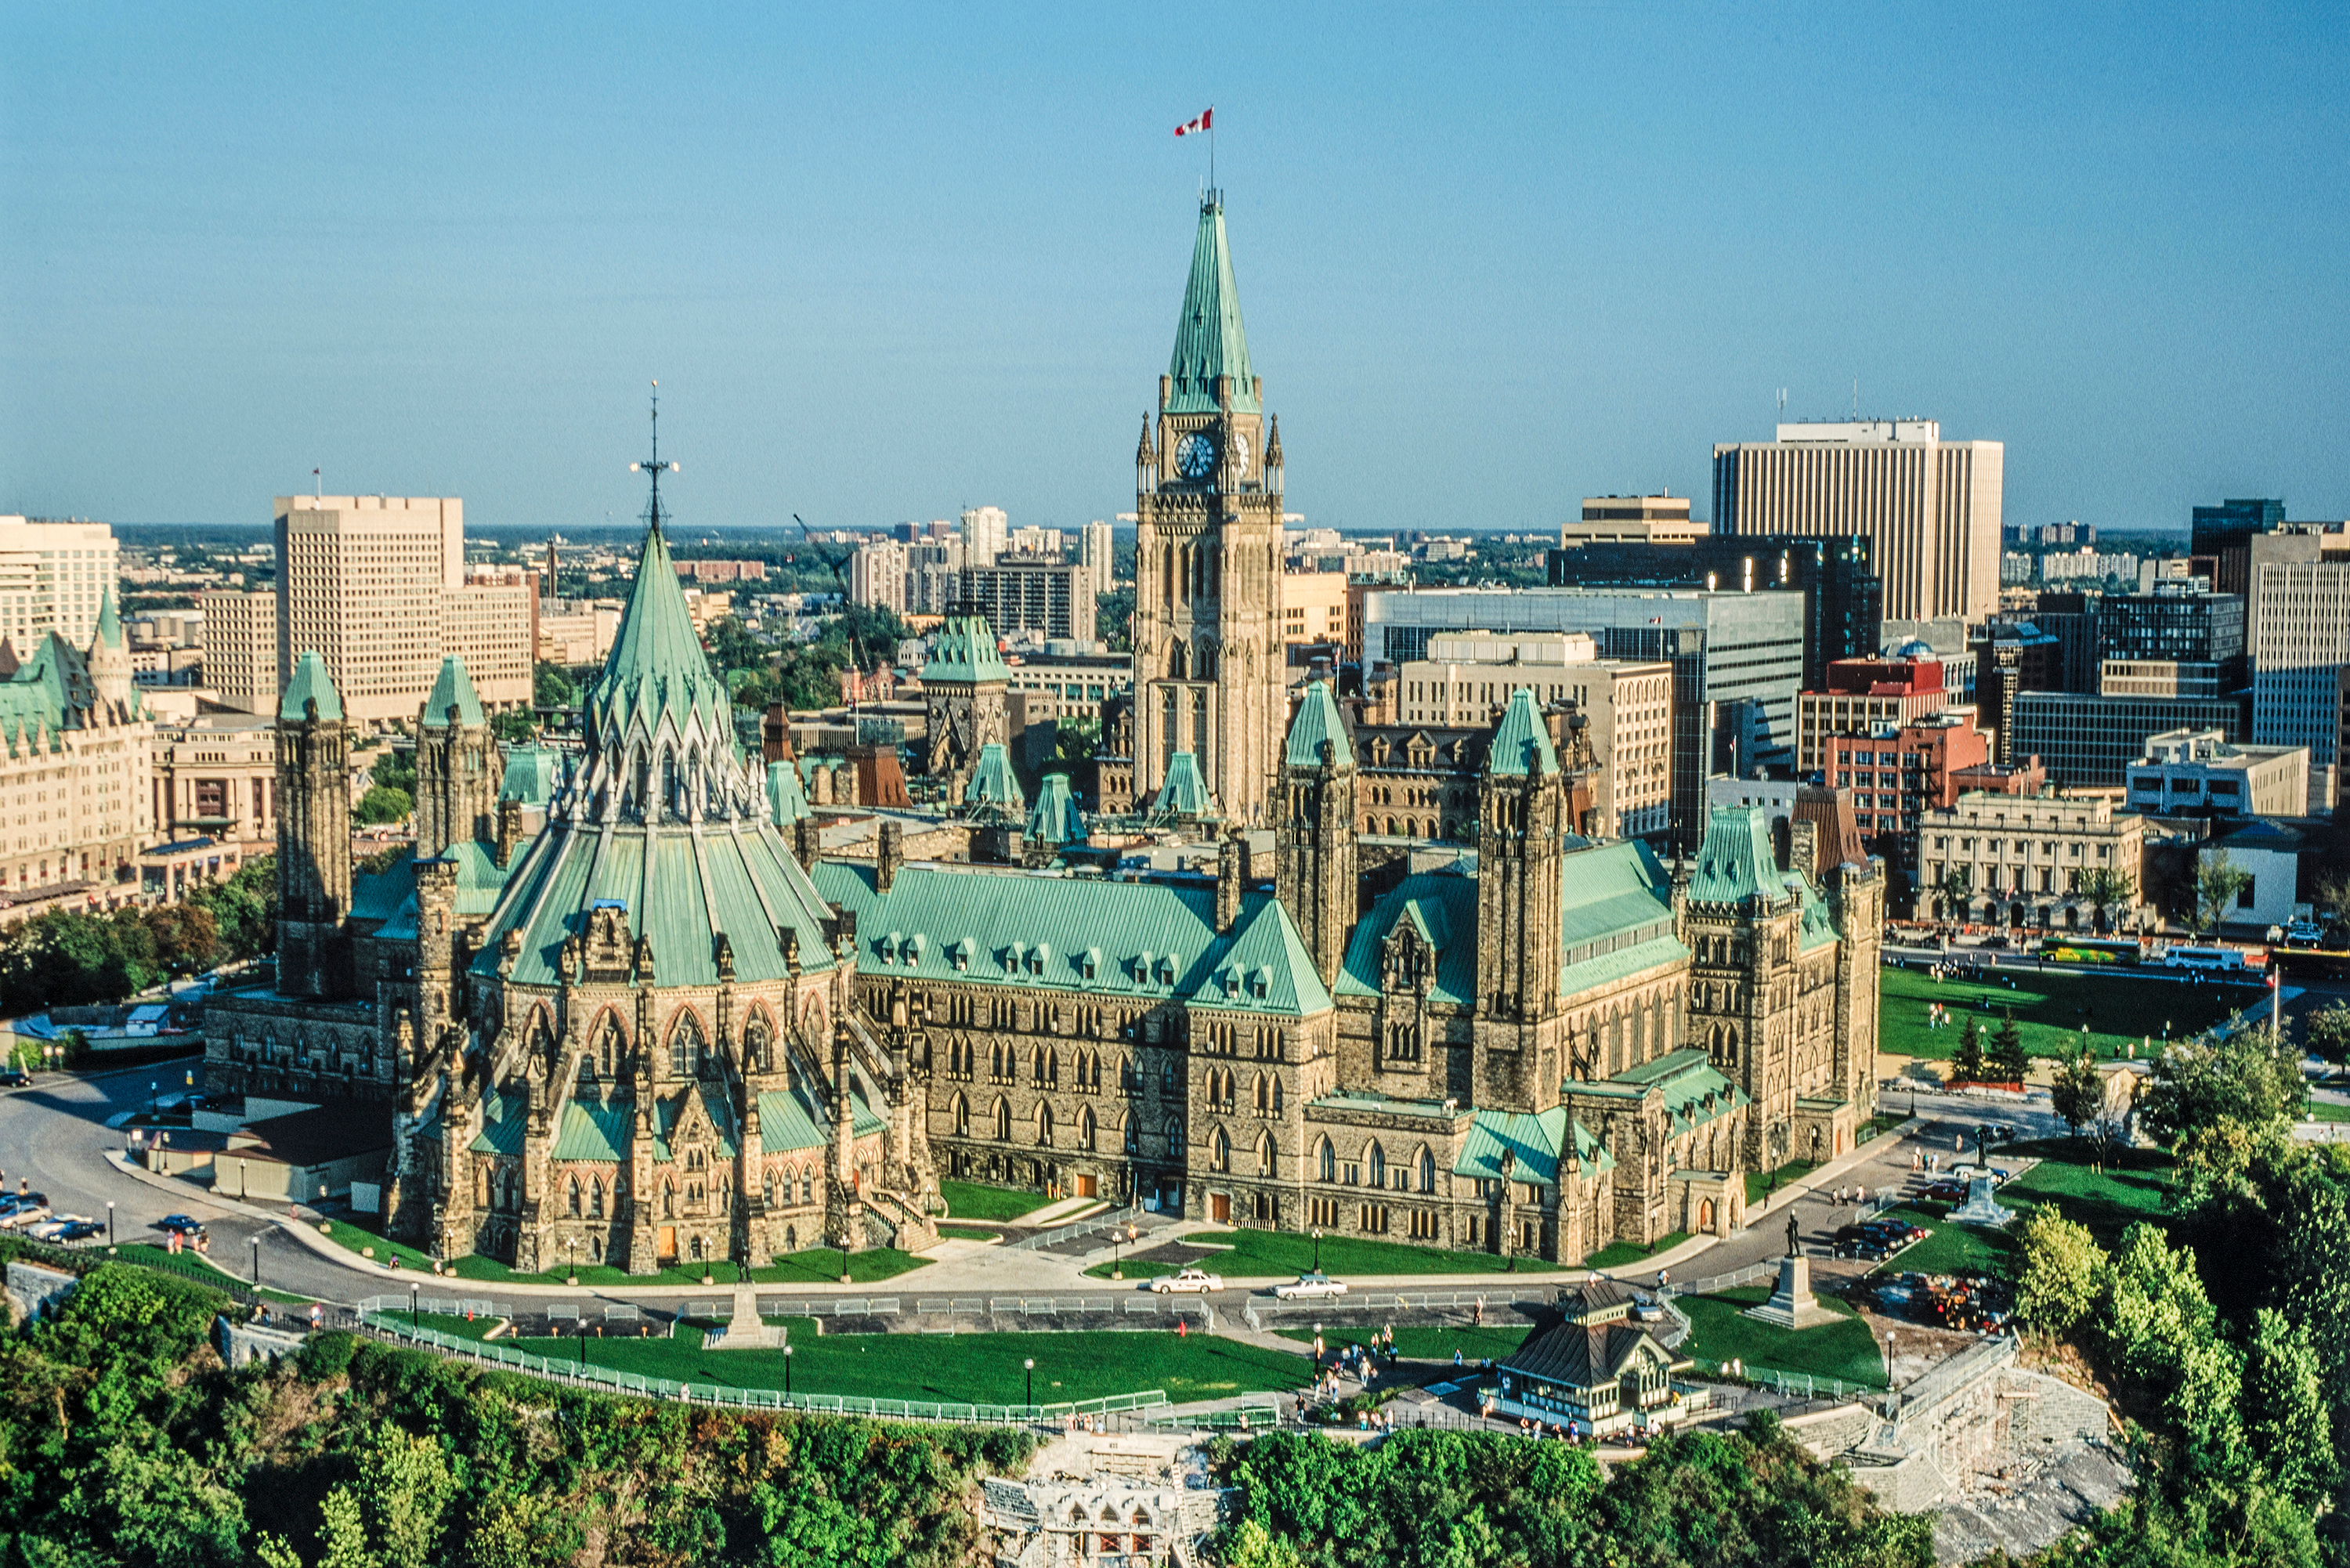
(1114, 620)
(2217, 882)
(1957, 890)
(2104, 886)
(551, 686)
(392, 1513)
(395, 769)
(1966, 1060)
(2242, 1078)
(244, 909)
(2329, 1033)
(1076, 738)
(2059, 1272)
(2285, 1414)
(384, 804)
(2009, 1062)
(2160, 1331)
(2078, 1094)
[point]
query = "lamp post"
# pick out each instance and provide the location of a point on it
(1317, 1252)
(256, 1265)
(571, 1277)
(787, 1371)
(1030, 1366)
(583, 1342)
(414, 1321)
(110, 1225)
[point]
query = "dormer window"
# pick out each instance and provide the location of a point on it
(1089, 962)
(1261, 982)
(1142, 968)
(961, 954)
(1167, 969)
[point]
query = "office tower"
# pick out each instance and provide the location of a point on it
(52, 577)
(1930, 507)
(983, 532)
(1208, 664)
(2089, 742)
(2175, 624)
(1844, 601)
(1034, 541)
(376, 586)
(2224, 532)
(1098, 552)
(241, 649)
(1861, 696)
(2300, 649)
(877, 576)
(1031, 593)
(1632, 520)
(2012, 657)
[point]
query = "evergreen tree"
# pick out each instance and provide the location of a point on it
(2008, 1061)
(1967, 1063)
(2079, 1092)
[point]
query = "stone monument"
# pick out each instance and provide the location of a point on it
(745, 1330)
(1979, 1209)
(1792, 1305)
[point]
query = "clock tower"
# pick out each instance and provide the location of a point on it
(1209, 670)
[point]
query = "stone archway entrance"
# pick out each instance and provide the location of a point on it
(1704, 1216)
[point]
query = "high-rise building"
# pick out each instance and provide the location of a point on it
(2225, 532)
(1862, 696)
(2178, 625)
(1632, 520)
(1207, 661)
(877, 576)
(1098, 552)
(1929, 507)
(52, 578)
(1022, 593)
(2300, 647)
(2089, 742)
(376, 586)
(984, 529)
(241, 649)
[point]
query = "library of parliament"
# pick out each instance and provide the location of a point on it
(623, 1008)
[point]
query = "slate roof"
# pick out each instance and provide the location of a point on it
(1615, 919)
(1694, 1091)
(452, 689)
(310, 683)
(1737, 862)
(1144, 940)
(1318, 720)
(1520, 739)
(1575, 1355)
(993, 784)
(964, 650)
(1209, 341)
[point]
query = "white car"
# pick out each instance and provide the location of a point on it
(1310, 1285)
(1198, 1280)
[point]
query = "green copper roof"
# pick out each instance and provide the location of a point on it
(532, 774)
(964, 650)
(109, 621)
(1736, 861)
(787, 801)
(452, 688)
(1695, 1092)
(310, 684)
(593, 1129)
(506, 1114)
(790, 1120)
(1209, 341)
(1056, 818)
(993, 784)
(656, 668)
(1536, 1142)
(1519, 738)
(1318, 720)
(1185, 793)
(1149, 941)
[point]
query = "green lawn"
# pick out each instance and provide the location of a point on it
(976, 1368)
(1423, 1344)
(2109, 1203)
(969, 1200)
(815, 1265)
(1758, 1185)
(1624, 1254)
(1950, 1250)
(2327, 1111)
(967, 1233)
(2122, 1010)
(1250, 1254)
(1719, 1333)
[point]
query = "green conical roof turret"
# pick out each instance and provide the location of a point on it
(1317, 721)
(1520, 739)
(109, 621)
(1209, 341)
(452, 689)
(656, 668)
(311, 683)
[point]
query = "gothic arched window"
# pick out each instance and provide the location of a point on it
(1086, 1128)
(1329, 1161)
(758, 1043)
(575, 1198)
(1003, 1121)
(961, 1116)
(1264, 1153)
(688, 1051)
(1378, 1166)
(1220, 1152)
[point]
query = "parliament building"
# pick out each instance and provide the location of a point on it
(621, 1008)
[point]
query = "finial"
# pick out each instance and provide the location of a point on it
(654, 466)
(1142, 447)
(1273, 441)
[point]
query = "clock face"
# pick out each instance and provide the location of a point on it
(1195, 455)
(1240, 452)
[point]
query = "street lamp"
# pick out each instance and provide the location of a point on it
(572, 1276)
(412, 1320)
(1317, 1252)
(1030, 1364)
(787, 1371)
(583, 1342)
(256, 1265)
(110, 1225)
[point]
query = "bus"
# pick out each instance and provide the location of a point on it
(2100, 952)
(2203, 958)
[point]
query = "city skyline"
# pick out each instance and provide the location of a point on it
(1487, 269)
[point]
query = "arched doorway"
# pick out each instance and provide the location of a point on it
(1704, 1216)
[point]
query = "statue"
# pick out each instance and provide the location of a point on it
(1794, 1247)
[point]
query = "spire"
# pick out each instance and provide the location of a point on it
(452, 689)
(1318, 723)
(1209, 341)
(965, 649)
(1143, 456)
(311, 685)
(1273, 443)
(1520, 739)
(109, 623)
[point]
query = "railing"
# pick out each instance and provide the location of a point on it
(1258, 1313)
(1116, 1217)
(1796, 1384)
(588, 1373)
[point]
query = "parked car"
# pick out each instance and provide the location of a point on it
(24, 1214)
(180, 1224)
(81, 1230)
(1195, 1280)
(53, 1227)
(1309, 1285)
(2303, 934)
(14, 1077)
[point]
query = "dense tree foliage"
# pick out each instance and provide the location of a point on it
(124, 1439)
(384, 804)
(71, 958)
(805, 674)
(244, 908)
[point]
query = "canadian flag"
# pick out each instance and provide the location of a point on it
(1206, 122)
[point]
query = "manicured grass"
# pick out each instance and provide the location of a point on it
(1250, 1254)
(970, 1200)
(452, 1323)
(2130, 1189)
(817, 1264)
(1758, 1185)
(1845, 1349)
(967, 1233)
(2327, 1111)
(1624, 1254)
(1950, 1250)
(976, 1368)
(2122, 1010)
(191, 1265)
(1424, 1344)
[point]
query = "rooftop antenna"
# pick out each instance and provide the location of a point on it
(1856, 397)
(318, 485)
(1782, 401)
(654, 466)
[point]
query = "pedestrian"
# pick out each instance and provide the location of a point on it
(1456, 1355)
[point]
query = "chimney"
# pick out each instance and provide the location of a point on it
(886, 855)
(1803, 849)
(509, 830)
(807, 842)
(1229, 855)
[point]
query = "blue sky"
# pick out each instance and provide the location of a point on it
(889, 264)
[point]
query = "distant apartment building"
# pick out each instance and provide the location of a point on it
(1018, 593)
(1098, 552)
(241, 649)
(1631, 520)
(2089, 565)
(1032, 540)
(723, 571)
(2194, 772)
(984, 530)
(2023, 859)
(576, 631)
(1864, 696)
(1929, 507)
(1314, 609)
(1626, 709)
(877, 576)
(52, 578)
(376, 586)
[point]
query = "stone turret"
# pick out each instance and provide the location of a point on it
(1314, 833)
(458, 766)
(1522, 831)
(314, 835)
